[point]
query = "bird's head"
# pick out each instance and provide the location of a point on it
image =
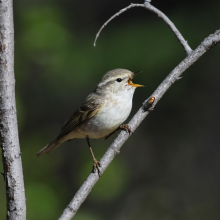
(117, 81)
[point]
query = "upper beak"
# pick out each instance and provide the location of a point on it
(130, 80)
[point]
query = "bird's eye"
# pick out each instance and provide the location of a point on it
(119, 80)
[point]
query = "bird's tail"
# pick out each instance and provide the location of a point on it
(49, 147)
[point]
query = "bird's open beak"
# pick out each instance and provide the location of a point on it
(130, 80)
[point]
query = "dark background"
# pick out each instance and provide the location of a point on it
(170, 168)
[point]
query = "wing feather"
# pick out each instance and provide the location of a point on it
(89, 108)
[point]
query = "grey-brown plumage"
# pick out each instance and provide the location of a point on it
(103, 111)
(85, 112)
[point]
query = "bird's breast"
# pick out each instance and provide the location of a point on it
(115, 112)
(108, 118)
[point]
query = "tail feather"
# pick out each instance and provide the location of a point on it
(49, 147)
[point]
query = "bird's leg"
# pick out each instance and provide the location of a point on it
(121, 127)
(106, 137)
(96, 163)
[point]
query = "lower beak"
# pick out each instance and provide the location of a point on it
(130, 80)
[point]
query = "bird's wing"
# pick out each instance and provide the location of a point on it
(89, 108)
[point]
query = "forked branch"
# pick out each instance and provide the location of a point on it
(115, 147)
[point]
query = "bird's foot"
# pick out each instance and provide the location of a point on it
(96, 166)
(126, 128)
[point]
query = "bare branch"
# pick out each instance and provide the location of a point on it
(13, 173)
(160, 14)
(179, 36)
(114, 148)
(115, 15)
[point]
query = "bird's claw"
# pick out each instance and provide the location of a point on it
(96, 166)
(126, 128)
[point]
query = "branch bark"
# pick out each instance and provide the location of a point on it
(13, 173)
(115, 147)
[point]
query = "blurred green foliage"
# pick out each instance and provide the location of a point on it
(169, 169)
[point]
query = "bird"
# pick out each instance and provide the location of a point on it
(102, 113)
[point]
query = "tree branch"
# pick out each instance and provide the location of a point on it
(160, 14)
(114, 16)
(114, 148)
(13, 174)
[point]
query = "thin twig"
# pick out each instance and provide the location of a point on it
(179, 36)
(115, 15)
(160, 14)
(114, 148)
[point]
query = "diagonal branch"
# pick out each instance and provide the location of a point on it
(160, 14)
(114, 148)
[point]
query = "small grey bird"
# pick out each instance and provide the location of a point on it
(102, 113)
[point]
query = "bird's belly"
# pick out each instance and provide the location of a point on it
(105, 121)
